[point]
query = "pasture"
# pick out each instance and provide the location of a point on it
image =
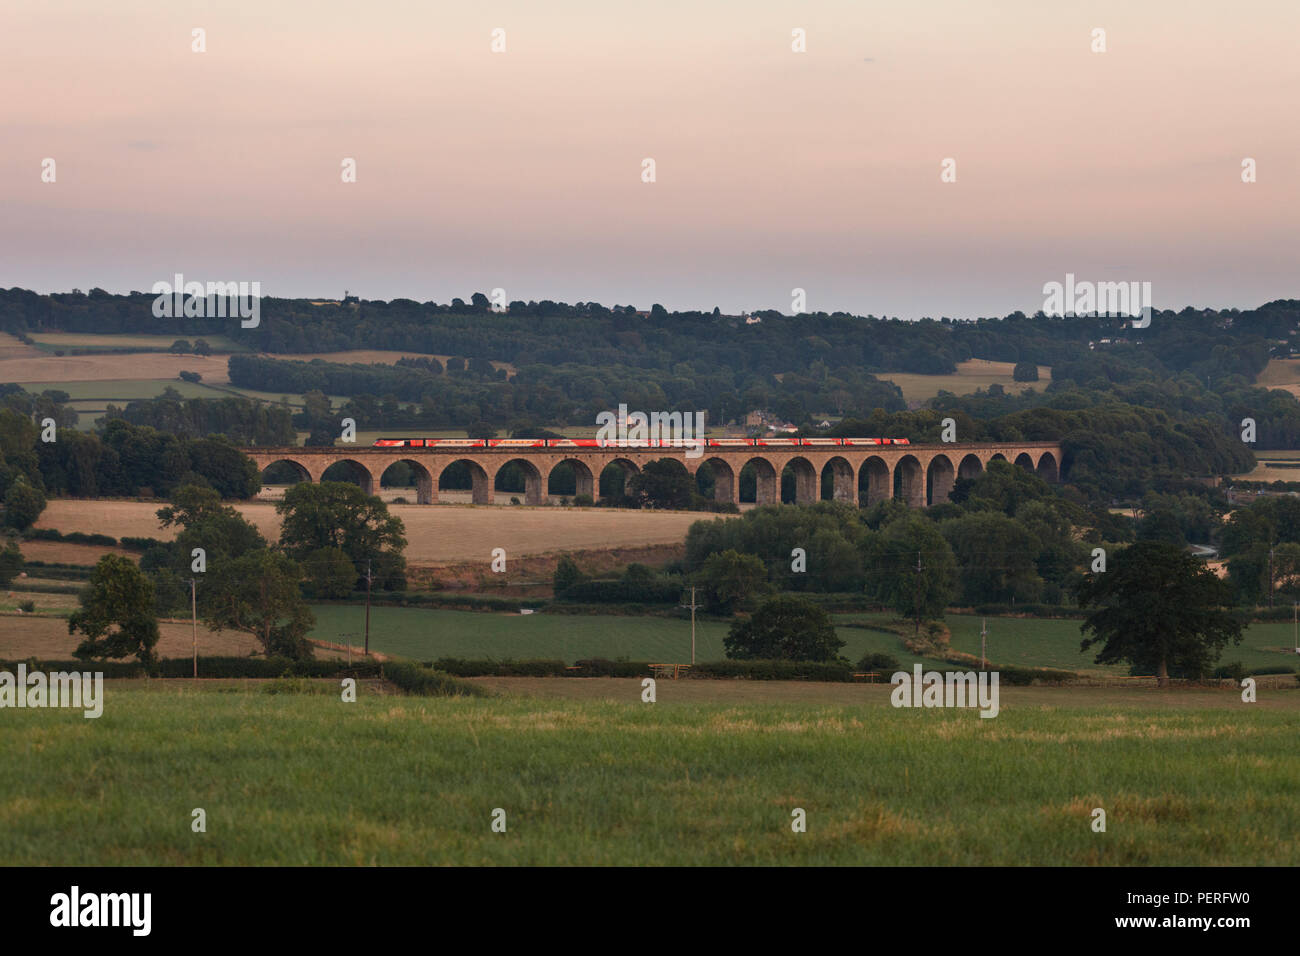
(1013, 642)
(295, 779)
(970, 375)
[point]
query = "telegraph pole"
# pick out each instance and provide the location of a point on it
(194, 619)
(917, 636)
(1270, 575)
(984, 633)
(368, 579)
(692, 606)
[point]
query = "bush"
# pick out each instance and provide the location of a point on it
(23, 504)
(74, 537)
(1235, 670)
(424, 682)
(786, 628)
(631, 588)
(506, 668)
(297, 685)
(1024, 676)
(878, 662)
(27, 607)
(1025, 372)
(831, 671)
(191, 377)
(583, 501)
(11, 563)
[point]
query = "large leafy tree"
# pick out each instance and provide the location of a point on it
(997, 558)
(220, 530)
(11, 561)
(1159, 608)
(24, 503)
(338, 514)
(784, 628)
(664, 483)
(729, 578)
(258, 593)
(892, 558)
(117, 613)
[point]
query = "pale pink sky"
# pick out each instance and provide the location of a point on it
(775, 169)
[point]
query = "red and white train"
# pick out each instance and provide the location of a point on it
(649, 443)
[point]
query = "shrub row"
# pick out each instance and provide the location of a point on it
(597, 667)
(425, 682)
(140, 544)
(831, 671)
(61, 572)
(446, 600)
(72, 537)
(1024, 676)
(1029, 610)
(32, 588)
(735, 670)
(623, 591)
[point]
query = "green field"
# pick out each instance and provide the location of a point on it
(307, 779)
(120, 391)
(429, 634)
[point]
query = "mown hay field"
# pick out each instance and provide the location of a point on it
(436, 534)
(970, 375)
(47, 639)
(308, 779)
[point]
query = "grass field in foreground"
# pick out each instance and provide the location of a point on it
(298, 779)
(428, 634)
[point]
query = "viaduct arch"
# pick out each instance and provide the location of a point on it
(919, 475)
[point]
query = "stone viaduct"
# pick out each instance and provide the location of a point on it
(919, 475)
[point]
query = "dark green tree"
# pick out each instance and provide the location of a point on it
(11, 562)
(567, 574)
(338, 514)
(1025, 372)
(730, 578)
(1158, 608)
(24, 503)
(664, 483)
(259, 594)
(784, 628)
(117, 613)
(892, 557)
(329, 573)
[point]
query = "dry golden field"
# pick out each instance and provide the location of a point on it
(43, 367)
(62, 552)
(436, 534)
(47, 638)
(373, 357)
(11, 348)
(970, 375)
